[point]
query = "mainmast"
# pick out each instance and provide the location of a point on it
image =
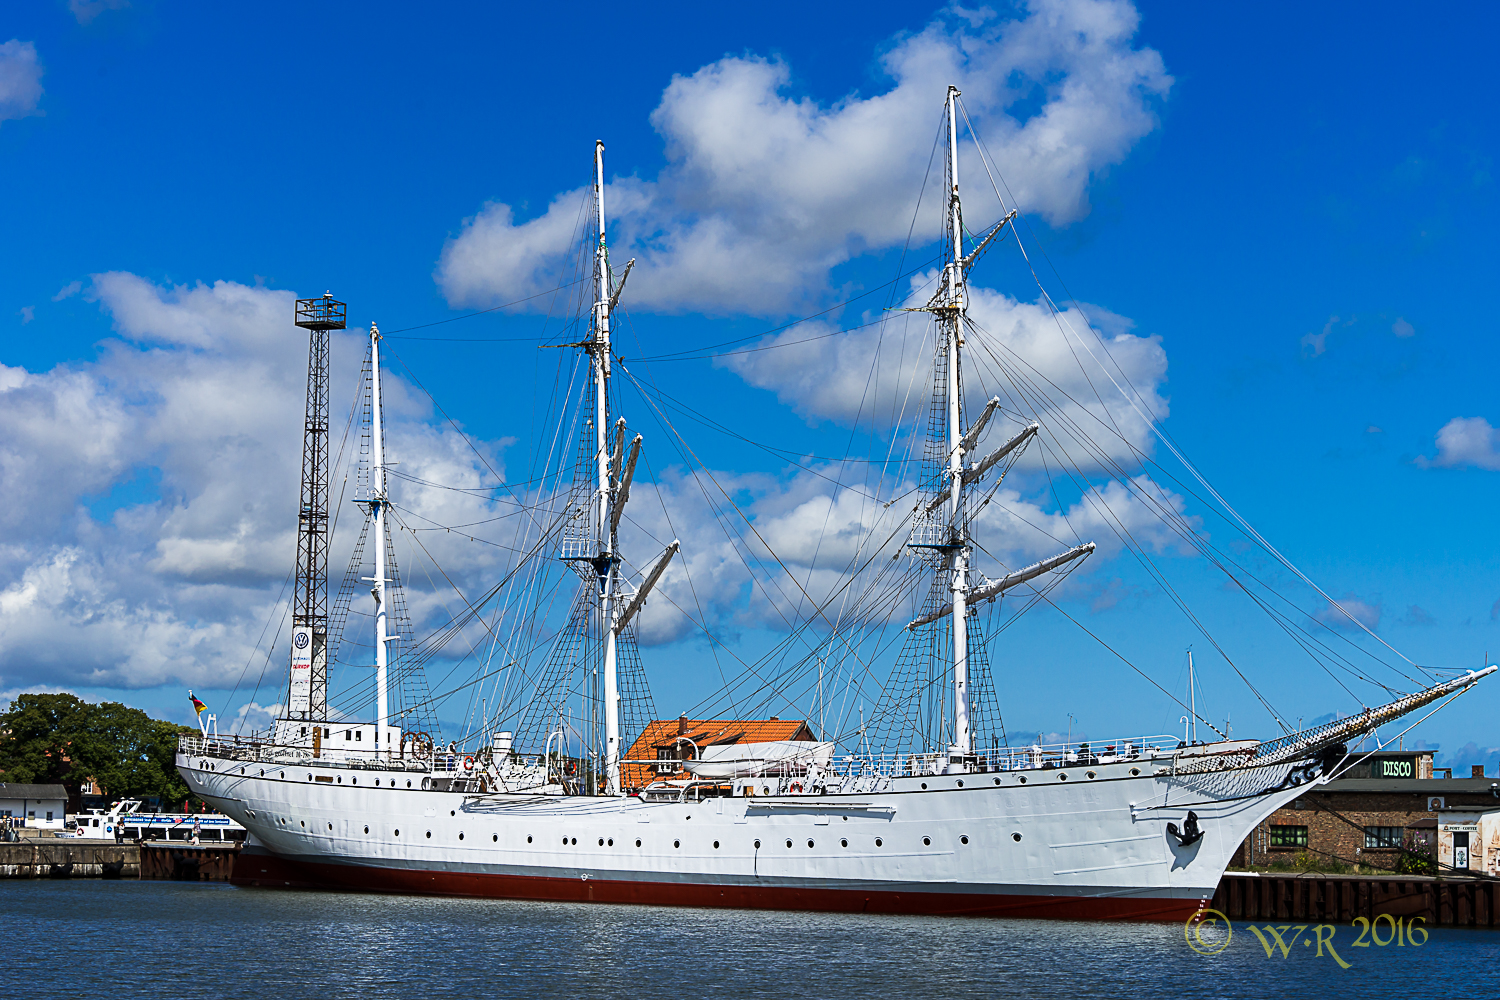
(606, 561)
(377, 511)
(308, 694)
(951, 317)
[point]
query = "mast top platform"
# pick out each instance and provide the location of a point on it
(325, 313)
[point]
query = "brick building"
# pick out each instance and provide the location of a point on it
(1366, 819)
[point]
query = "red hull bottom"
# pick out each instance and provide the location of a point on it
(270, 871)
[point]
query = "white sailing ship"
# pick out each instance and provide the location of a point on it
(943, 816)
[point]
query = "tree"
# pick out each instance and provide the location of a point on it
(58, 738)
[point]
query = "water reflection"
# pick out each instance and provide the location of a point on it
(136, 938)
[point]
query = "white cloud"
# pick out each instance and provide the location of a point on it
(27, 314)
(20, 80)
(67, 291)
(880, 374)
(1402, 328)
(87, 10)
(1367, 613)
(201, 399)
(1465, 441)
(764, 192)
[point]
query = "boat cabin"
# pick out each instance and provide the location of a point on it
(659, 752)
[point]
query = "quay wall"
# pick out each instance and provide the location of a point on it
(35, 858)
(1339, 899)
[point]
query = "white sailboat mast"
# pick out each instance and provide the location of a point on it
(607, 561)
(959, 559)
(377, 506)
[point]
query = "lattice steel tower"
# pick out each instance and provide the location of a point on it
(308, 697)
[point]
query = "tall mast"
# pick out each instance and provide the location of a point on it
(308, 693)
(952, 318)
(377, 507)
(606, 563)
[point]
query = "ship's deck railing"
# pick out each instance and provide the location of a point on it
(1025, 758)
(251, 750)
(439, 763)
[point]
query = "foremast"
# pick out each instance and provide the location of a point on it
(952, 313)
(952, 540)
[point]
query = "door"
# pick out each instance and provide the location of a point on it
(1461, 850)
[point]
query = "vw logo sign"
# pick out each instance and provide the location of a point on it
(300, 640)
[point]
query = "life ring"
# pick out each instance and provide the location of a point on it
(468, 763)
(795, 788)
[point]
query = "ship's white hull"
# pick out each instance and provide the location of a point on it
(1034, 843)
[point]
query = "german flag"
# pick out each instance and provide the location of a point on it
(198, 706)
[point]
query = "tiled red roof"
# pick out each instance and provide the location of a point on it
(662, 734)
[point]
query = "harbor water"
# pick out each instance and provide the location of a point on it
(137, 939)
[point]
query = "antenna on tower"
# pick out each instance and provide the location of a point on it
(308, 696)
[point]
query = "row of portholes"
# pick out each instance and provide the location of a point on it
(352, 780)
(610, 842)
(1135, 772)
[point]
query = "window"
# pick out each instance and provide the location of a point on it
(667, 754)
(1383, 836)
(1288, 836)
(49, 816)
(359, 735)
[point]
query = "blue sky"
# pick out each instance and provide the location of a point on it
(1296, 201)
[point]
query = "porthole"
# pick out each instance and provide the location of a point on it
(1023, 780)
(429, 834)
(408, 782)
(398, 833)
(637, 843)
(997, 781)
(565, 841)
(788, 843)
(926, 841)
(610, 842)
(1089, 774)
(262, 772)
(304, 824)
(843, 843)
(879, 842)
(309, 777)
(1016, 837)
(575, 841)
(452, 813)
(757, 845)
(330, 826)
(963, 840)
(367, 829)
(676, 843)
(601, 841)
(528, 840)
(924, 786)
(283, 774)
(353, 781)
(765, 790)
(1135, 772)
(960, 782)
(1061, 776)
(716, 845)
(495, 838)
(809, 843)
(460, 836)
(341, 779)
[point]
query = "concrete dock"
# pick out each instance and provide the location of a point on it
(69, 858)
